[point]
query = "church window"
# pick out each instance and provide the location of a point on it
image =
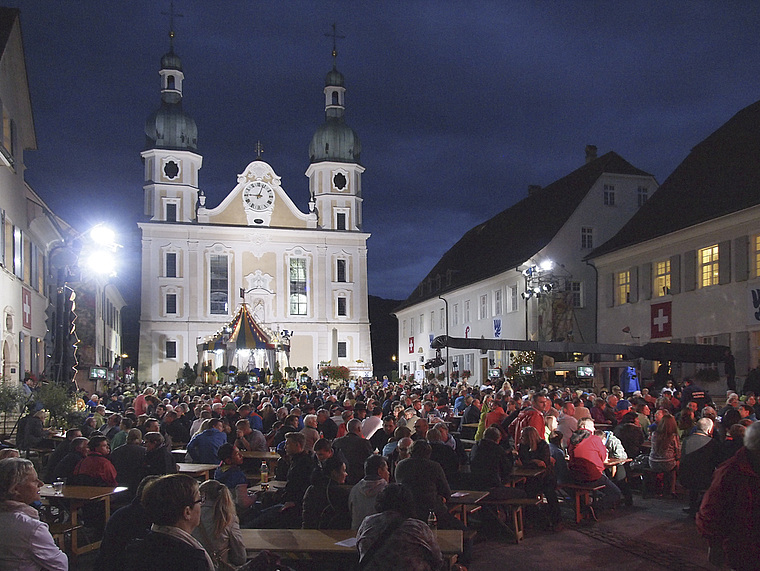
(171, 303)
(298, 286)
(219, 284)
(171, 349)
(341, 221)
(171, 265)
(171, 212)
(342, 349)
(662, 278)
(341, 270)
(341, 306)
(708, 266)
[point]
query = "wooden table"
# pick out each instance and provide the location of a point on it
(460, 499)
(77, 496)
(271, 458)
(197, 470)
(310, 541)
(274, 485)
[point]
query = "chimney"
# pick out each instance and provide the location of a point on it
(533, 188)
(590, 153)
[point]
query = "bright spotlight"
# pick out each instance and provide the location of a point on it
(102, 235)
(101, 262)
(547, 265)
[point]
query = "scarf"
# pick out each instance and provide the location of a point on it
(185, 537)
(14, 506)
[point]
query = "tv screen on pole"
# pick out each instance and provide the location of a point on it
(585, 372)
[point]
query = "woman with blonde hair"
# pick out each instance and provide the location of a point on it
(219, 528)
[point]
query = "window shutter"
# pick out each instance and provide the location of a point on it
(690, 270)
(741, 258)
(634, 273)
(724, 262)
(646, 280)
(675, 274)
(611, 290)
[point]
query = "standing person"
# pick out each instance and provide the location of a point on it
(26, 543)
(731, 507)
(700, 455)
(219, 528)
(363, 496)
(173, 503)
(666, 451)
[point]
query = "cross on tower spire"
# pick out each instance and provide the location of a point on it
(171, 15)
(259, 149)
(335, 37)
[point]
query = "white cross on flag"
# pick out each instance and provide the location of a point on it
(661, 320)
(26, 308)
(411, 344)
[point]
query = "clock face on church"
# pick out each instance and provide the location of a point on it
(258, 196)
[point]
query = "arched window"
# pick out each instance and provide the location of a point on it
(170, 82)
(335, 98)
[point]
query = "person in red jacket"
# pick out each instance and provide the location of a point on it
(731, 507)
(95, 469)
(531, 416)
(587, 457)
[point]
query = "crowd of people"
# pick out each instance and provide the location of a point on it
(381, 459)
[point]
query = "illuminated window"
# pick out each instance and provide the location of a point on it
(298, 286)
(662, 278)
(708, 266)
(757, 255)
(622, 287)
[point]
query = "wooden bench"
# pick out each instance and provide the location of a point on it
(581, 491)
(513, 508)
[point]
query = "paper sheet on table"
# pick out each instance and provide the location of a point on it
(458, 494)
(350, 542)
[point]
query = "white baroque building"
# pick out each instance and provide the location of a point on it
(687, 266)
(300, 272)
(483, 281)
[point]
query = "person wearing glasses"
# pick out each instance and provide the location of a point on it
(173, 504)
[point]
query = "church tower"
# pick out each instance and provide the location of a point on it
(335, 169)
(170, 156)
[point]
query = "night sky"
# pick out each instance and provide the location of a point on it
(459, 105)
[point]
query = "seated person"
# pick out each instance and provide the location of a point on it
(219, 528)
(125, 525)
(95, 469)
(173, 504)
(325, 504)
(442, 454)
(587, 457)
(63, 448)
(65, 467)
(158, 457)
(491, 466)
(361, 500)
(286, 514)
(230, 474)
(534, 451)
(393, 539)
(129, 461)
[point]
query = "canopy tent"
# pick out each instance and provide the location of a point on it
(244, 343)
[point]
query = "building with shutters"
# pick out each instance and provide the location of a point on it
(687, 266)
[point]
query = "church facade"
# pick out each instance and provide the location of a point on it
(302, 275)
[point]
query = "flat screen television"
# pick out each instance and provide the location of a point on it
(526, 369)
(585, 371)
(98, 373)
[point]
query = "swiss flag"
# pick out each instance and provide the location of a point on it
(411, 344)
(661, 320)
(26, 308)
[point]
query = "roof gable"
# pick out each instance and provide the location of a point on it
(515, 234)
(720, 176)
